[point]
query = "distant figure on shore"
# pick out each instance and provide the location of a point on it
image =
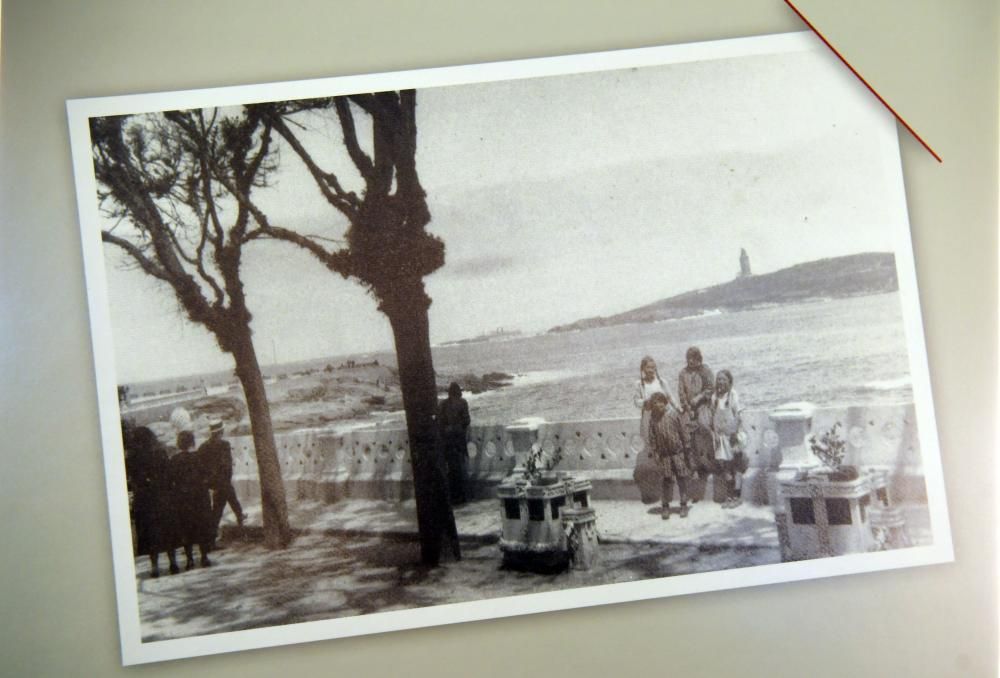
(453, 422)
(216, 458)
(146, 467)
(647, 475)
(695, 386)
(726, 425)
(192, 501)
(666, 439)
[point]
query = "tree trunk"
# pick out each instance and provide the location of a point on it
(435, 519)
(274, 510)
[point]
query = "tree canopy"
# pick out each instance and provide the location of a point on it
(175, 188)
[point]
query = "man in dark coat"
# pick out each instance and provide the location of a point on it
(216, 457)
(453, 422)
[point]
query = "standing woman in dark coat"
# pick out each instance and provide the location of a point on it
(453, 421)
(192, 501)
(155, 525)
(695, 387)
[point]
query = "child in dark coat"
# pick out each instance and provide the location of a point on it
(667, 439)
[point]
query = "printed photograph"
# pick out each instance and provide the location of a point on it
(428, 339)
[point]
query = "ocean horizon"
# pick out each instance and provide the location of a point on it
(830, 352)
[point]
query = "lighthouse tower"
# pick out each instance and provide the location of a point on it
(744, 264)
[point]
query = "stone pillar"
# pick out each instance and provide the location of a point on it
(524, 438)
(792, 422)
(580, 525)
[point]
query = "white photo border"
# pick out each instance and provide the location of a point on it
(135, 651)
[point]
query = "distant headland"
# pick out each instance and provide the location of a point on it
(499, 334)
(836, 277)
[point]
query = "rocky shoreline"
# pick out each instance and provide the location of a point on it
(321, 398)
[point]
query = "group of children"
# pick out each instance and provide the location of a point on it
(698, 437)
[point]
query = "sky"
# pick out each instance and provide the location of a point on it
(565, 197)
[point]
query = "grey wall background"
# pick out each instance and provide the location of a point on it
(935, 61)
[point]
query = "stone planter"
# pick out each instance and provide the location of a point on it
(825, 517)
(535, 532)
(533, 521)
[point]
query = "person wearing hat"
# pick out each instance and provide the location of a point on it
(216, 457)
(728, 438)
(453, 423)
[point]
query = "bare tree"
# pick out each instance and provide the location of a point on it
(169, 184)
(386, 248)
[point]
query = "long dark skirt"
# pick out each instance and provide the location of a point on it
(152, 510)
(456, 455)
(192, 502)
(155, 524)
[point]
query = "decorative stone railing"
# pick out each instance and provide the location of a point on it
(321, 464)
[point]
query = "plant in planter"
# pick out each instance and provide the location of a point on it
(538, 464)
(547, 521)
(830, 448)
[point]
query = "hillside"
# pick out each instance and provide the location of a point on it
(848, 276)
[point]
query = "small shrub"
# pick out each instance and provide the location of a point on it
(830, 448)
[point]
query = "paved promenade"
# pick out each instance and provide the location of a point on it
(618, 522)
(362, 556)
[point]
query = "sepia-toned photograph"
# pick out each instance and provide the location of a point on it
(389, 351)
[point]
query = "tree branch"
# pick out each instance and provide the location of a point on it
(385, 126)
(178, 247)
(337, 261)
(220, 296)
(326, 182)
(130, 248)
(265, 140)
(407, 179)
(358, 156)
(245, 182)
(115, 168)
(218, 234)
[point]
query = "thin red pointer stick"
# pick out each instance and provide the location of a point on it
(870, 88)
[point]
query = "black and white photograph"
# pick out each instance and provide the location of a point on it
(416, 348)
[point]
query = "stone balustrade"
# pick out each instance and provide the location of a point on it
(322, 464)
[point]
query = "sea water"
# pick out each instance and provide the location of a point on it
(829, 352)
